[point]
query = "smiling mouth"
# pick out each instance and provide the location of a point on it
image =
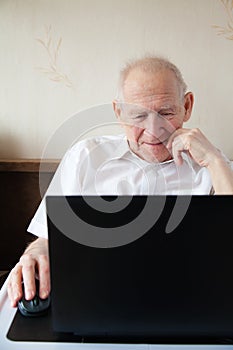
(153, 144)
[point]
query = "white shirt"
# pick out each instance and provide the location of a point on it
(105, 165)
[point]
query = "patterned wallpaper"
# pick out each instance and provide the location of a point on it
(227, 30)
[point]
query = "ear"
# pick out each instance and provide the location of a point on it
(188, 105)
(117, 109)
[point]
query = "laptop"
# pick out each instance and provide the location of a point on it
(142, 269)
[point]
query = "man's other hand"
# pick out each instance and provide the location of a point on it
(34, 263)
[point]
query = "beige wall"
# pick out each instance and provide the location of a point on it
(97, 37)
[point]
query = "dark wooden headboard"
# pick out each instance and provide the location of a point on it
(20, 196)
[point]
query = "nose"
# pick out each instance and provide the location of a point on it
(155, 125)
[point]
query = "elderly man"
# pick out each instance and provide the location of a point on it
(155, 156)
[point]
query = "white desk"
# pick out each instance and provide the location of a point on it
(7, 314)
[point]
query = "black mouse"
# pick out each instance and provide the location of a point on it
(34, 307)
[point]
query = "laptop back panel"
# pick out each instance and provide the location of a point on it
(159, 286)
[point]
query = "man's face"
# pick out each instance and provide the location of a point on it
(152, 110)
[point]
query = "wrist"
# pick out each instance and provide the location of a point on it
(217, 162)
(221, 175)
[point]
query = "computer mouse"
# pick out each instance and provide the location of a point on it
(34, 307)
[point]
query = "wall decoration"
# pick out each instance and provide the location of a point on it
(53, 49)
(226, 31)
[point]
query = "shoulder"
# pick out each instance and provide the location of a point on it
(107, 141)
(101, 144)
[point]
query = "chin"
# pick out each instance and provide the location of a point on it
(158, 155)
(153, 158)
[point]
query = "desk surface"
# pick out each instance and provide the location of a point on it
(7, 314)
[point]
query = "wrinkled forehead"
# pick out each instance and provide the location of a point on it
(145, 88)
(136, 109)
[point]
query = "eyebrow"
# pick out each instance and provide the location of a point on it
(166, 107)
(138, 111)
(135, 111)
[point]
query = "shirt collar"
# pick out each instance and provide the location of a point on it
(122, 149)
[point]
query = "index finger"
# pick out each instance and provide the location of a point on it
(28, 272)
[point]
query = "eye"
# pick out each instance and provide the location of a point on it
(167, 115)
(140, 116)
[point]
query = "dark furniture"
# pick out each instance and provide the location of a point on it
(20, 194)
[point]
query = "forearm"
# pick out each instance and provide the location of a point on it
(221, 175)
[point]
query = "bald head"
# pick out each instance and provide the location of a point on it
(150, 66)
